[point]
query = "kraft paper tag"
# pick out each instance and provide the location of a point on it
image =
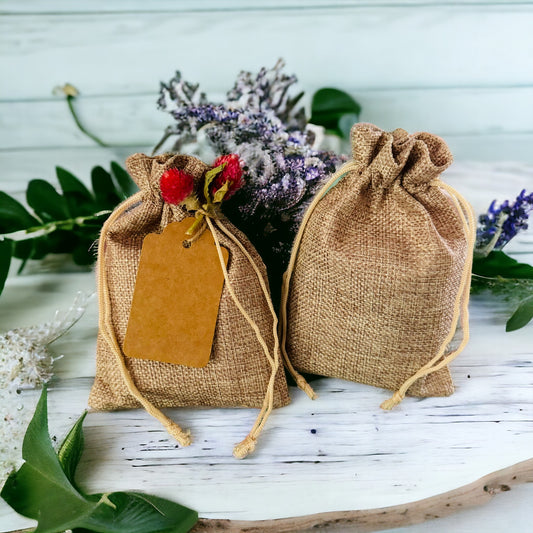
(176, 298)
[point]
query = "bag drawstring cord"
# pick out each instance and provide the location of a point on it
(247, 445)
(301, 382)
(461, 302)
(106, 327)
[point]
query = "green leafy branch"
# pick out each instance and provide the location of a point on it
(503, 274)
(60, 222)
(44, 489)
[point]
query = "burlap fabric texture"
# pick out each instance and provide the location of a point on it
(238, 372)
(380, 266)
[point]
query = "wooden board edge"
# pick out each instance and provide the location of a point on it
(365, 521)
(477, 493)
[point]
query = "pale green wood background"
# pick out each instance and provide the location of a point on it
(463, 70)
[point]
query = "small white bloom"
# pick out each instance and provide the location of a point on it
(26, 363)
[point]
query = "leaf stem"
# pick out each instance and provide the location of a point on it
(70, 102)
(45, 229)
(485, 251)
(106, 501)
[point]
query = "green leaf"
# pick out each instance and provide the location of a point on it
(141, 513)
(13, 215)
(104, 189)
(80, 201)
(69, 453)
(40, 489)
(42, 246)
(126, 184)
(220, 193)
(499, 264)
(522, 316)
(6, 252)
(43, 489)
(210, 175)
(329, 106)
(345, 124)
(47, 203)
(83, 253)
(23, 250)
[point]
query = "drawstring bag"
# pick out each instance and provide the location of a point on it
(243, 367)
(380, 270)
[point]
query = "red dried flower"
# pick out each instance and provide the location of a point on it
(176, 185)
(232, 172)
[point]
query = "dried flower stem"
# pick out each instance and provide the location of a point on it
(485, 250)
(81, 127)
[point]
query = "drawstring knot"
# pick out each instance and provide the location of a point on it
(461, 302)
(244, 448)
(301, 382)
(204, 219)
(183, 437)
(396, 398)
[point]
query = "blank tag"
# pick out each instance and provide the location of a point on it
(176, 298)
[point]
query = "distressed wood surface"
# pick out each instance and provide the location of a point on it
(135, 119)
(461, 70)
(338, 454)
(123, 53)
(103, 6)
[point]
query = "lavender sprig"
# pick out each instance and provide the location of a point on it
(501, 223)
(283, 168)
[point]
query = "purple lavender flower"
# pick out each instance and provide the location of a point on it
(283, 168)
(501, 223)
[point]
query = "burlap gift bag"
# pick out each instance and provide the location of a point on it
(380, 269)
(243, 369)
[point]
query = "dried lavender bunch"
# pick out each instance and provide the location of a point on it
(501, 223)
(283, 167)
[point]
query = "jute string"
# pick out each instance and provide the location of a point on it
(108, 332)
(300, 380)
(245, 447)
(461, 302)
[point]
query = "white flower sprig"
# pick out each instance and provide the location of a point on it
(26, 363)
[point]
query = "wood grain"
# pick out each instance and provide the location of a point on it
(135, 119)
(479, 492)
(342, 451)
(364, 48)
(139, 6)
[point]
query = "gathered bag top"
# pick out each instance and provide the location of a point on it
(243, 368)
(379, 274)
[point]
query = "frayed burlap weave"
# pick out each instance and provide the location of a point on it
(380, 266)
(238, 372)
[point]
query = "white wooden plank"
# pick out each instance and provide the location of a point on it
(493, 181)
(135, 120)
(427, 46)
(359, 457)
(128, 6)
(491, 148)
(457, 439)
(19, 166)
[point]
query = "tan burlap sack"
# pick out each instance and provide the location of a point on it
(238, 374)
(381, 269)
